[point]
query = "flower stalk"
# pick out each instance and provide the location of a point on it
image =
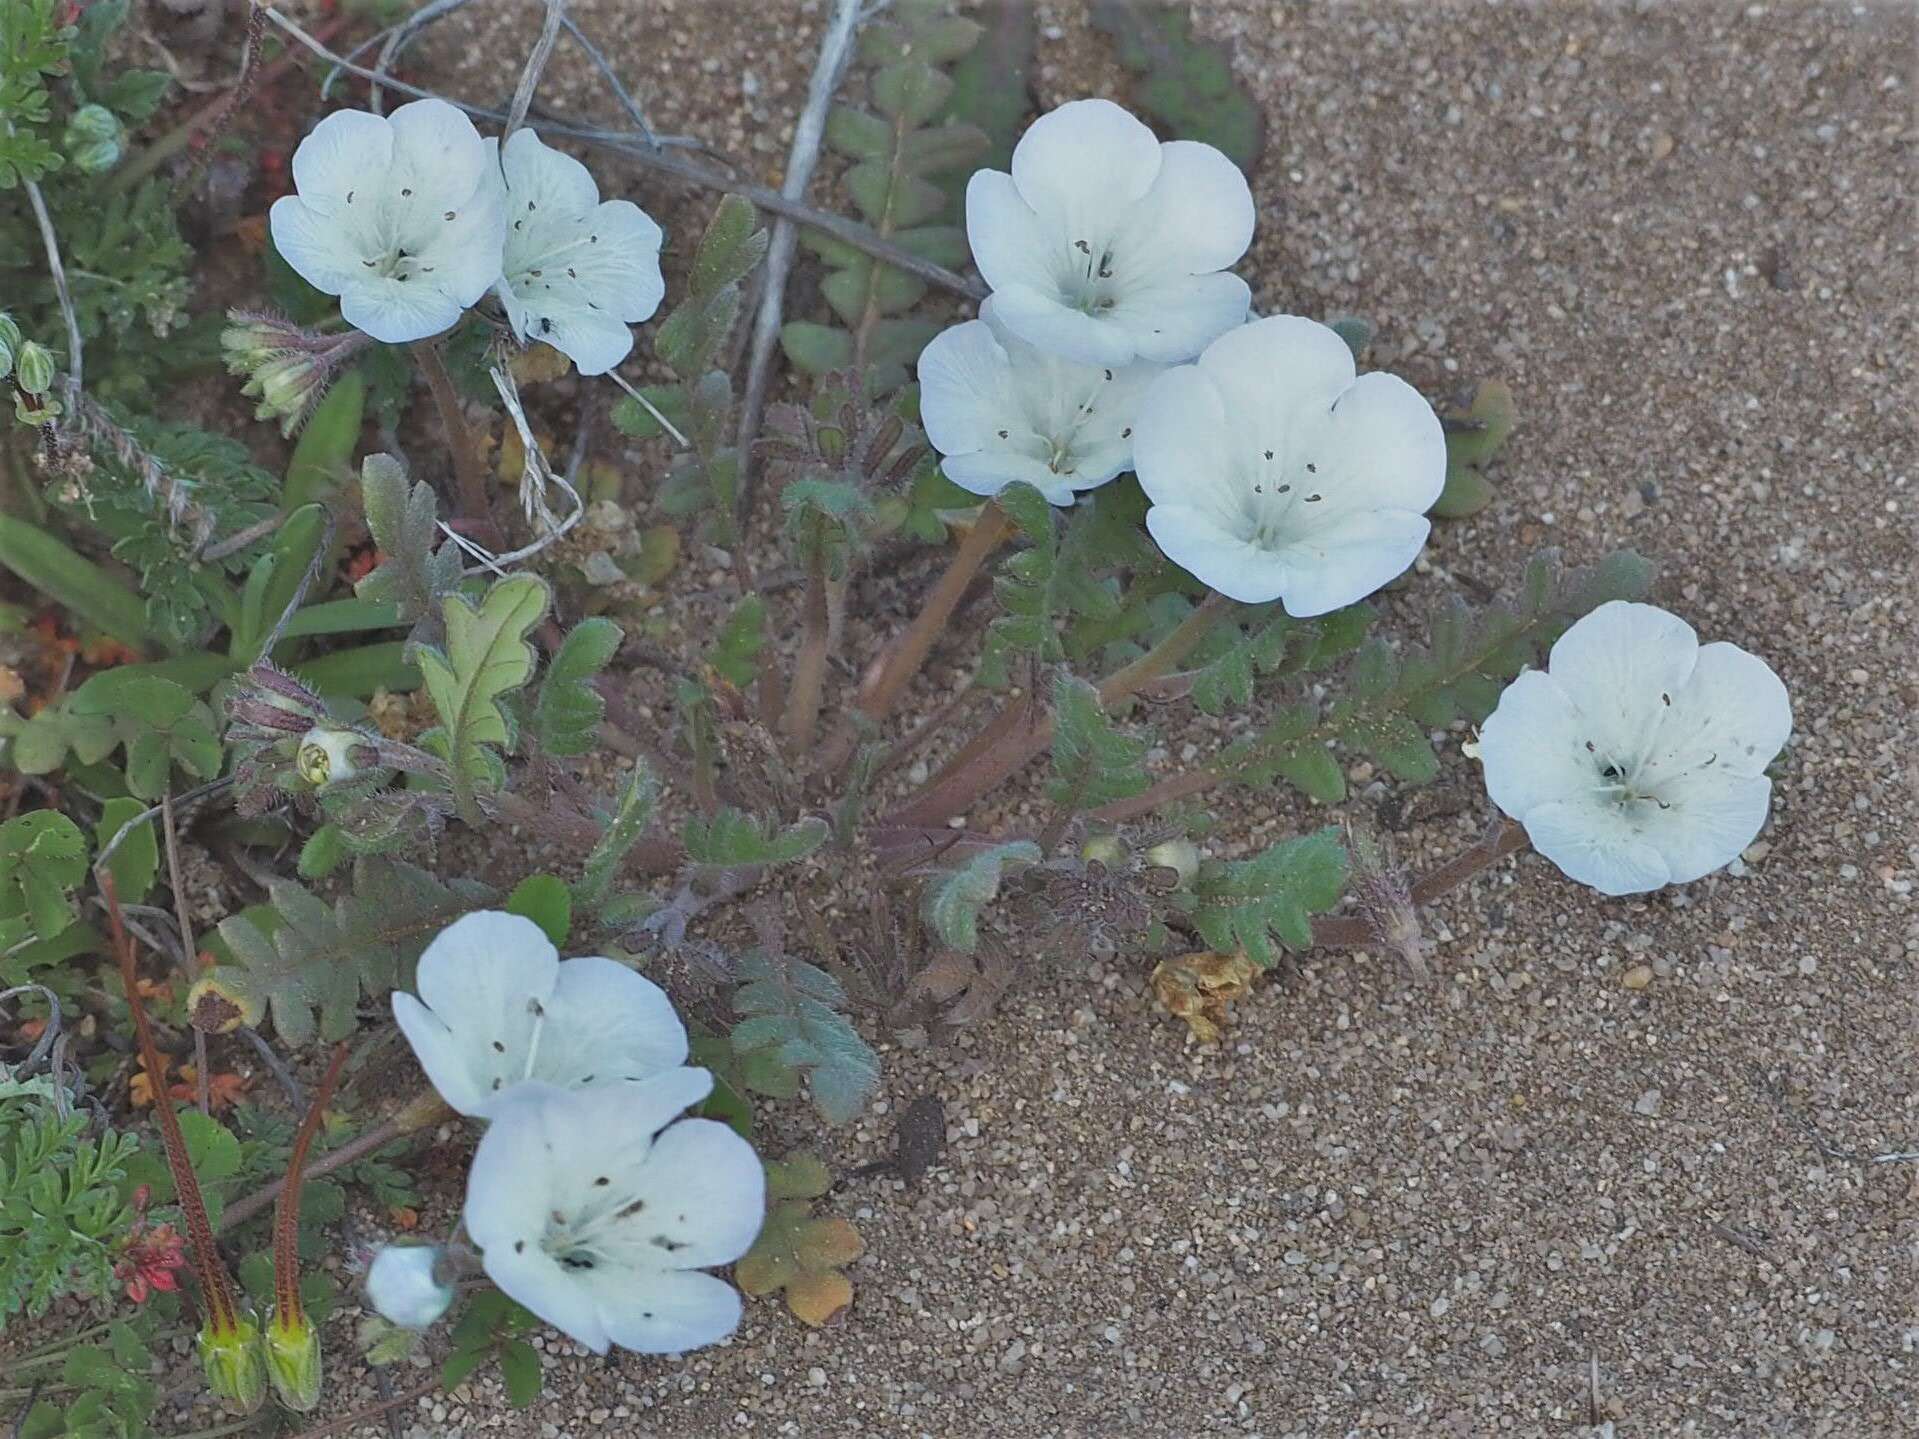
(292, 1343)
(467, 469)
(229, 1339)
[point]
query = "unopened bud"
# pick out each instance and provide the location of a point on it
(232, 1362)
(1179, 855)
(405, 1285)
(9, 344)
(326, 756)
(1385, 900)
(1106, 849)
(293, 1361)
(33, 368)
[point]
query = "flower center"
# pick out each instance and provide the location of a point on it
(397, 264)
(1087, 283)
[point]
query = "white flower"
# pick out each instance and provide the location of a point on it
(596, 1211)
(400, 217)
(500, 1007)
(1104, 245)
(1639, 760)
(1001, 411)
(577, 270)
(403, 1287)
(325, 755)
(1275, 474)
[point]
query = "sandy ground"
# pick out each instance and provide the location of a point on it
(1683, 234)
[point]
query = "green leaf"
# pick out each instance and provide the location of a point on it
(624, 827)
(736, 651)
(568, 710)
(486, 658)
(404, 523)
(43, 855)
(459, 1364)
(137, 861)
(816, 349)
(322, 462)
(1094, 762)
(546, 901)
(1470, 450)
(952, 901)
(1185, 83)
(730, 839)
(730, 250)
(520, 1372)
(50, 567)
(910, 93)
(1244, 904)
(791, 1008)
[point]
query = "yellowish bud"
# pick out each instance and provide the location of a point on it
(293, 1360)
(233, 1365)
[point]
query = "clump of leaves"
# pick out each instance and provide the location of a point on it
(1472, 442)
(798, 1252)
(900, 147)
(1185, 83)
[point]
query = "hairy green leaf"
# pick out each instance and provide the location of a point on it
(790, 1008)
(952, 902)
(730, 839)
(567, 713)
(1245, 904)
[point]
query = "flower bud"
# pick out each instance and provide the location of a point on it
(403, 1284)
(216, 1005)
(1106, 849)
(9, 343)
(33, 368)
(326, 756)
(233, 1366)
(94, 140)
(1180, 855)
(293, 1361)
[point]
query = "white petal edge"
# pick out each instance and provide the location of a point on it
(1084, 162)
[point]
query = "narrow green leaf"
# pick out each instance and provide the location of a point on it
(952, 901)
(567, 713)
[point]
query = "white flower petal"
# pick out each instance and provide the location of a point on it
(593, 340)
(473, 1024)
(314, 244)
(344, 151)
(1335, 566)
(990, 471)
(1183, 448)
(614, 1025)
(1533, 746)
(465, 250)
(1010, 244)
(1712, 820)
(1084, 161)
(1597, 845)
(443, 1057)
(437, 155)
(1379, 445)
(1175, 319)
(1732, 713)
(1285, 368)
(1615, 660)
(669, 1311)
(1195, 541)
(396, 313)
(1043, 321)
(966, 393)
(1196, 218)
(586, 1218)
(552, 187)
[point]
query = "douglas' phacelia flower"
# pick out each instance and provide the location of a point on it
(1001, 411)
(404, 1284)
(577, 269)
(1104, 245)
(400, 216)
(1638, 759)
(1276, 475)
(597, 1211)
(498, 1006)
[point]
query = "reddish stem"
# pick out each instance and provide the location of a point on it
(286, 1214)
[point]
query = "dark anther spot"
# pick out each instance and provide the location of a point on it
(602, 1182)
(405, 193)
(1003, 434)
(1082, 247)
(519, 1246)
(367, 263)
(1311, 468)
(1611, 771)
(632, 1209)
(1590, 748)
(1257, 490)
(536, 273)
(589, 1079)
(496, 1084)
(1109, 375)
(546, 325)
(537, 1008)
(592, 239)
(574, 1261)
(349, 197)
(1269, 454)
(519, 224)
(498, 1048)
(671, 1246)
(571, 273)
(1127, 433)
(449, 214)
(1314, 499)
(1665, 699)
(530, 205)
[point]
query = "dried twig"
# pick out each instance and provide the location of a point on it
(535, 66)
(76, 357)
(836, 50)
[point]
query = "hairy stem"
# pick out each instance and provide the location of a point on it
(809, 667)
(1004, 746)
(286, 1213)
(474, 504)
(1349, 931)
